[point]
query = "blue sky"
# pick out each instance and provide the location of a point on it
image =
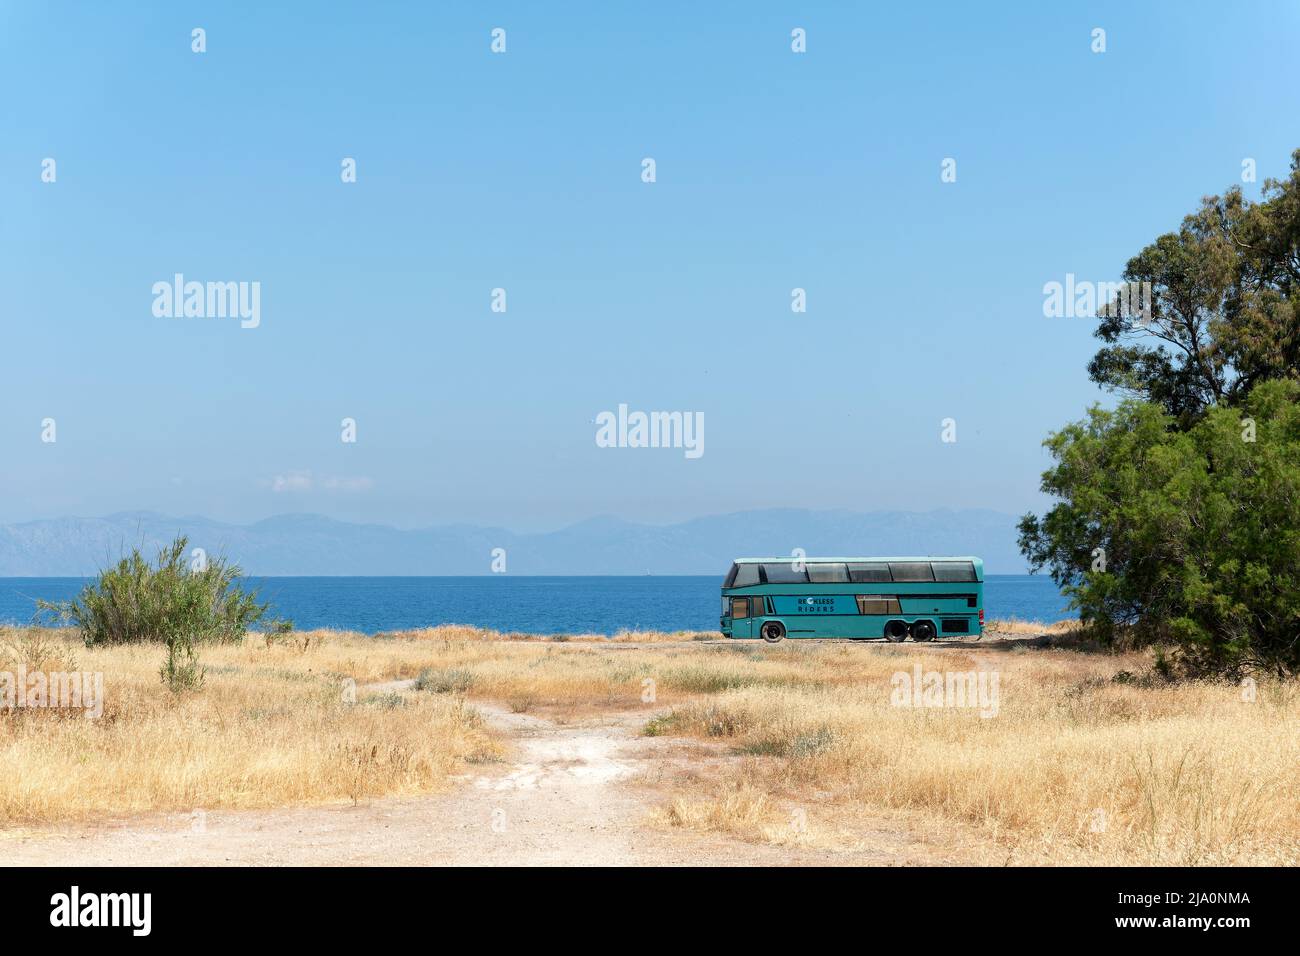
(522, 171)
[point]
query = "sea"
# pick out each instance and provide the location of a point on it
(536, 605)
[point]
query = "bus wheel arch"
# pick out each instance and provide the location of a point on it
(923, 631)
(895, 631)
(772, 631)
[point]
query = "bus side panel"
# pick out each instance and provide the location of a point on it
(821, 615)
(825, 615)
(833, 610)
(851, 626)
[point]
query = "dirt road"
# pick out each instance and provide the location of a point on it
(574, 793)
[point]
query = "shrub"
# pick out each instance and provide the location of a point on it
(661, 725)
(181, 670)
(281, 631)
(175, 603)
(1185, 537)
(452, 680)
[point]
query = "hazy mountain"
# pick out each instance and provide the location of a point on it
(312, 544)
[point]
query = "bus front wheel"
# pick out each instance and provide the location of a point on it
(773, 632)
(895, 631)
(922, 631)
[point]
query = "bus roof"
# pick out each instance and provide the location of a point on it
(787, 558)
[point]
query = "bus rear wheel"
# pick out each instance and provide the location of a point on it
(895, 631)
(922, 631)
(773, 632)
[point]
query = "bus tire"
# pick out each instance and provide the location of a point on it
(773, 632)
(923, 631)
(895, 631)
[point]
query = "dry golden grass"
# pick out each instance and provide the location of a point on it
(464, 632)
(1076, 766)
(1015, 627)
(270, 727)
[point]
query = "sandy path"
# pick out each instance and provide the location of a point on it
(573, 793)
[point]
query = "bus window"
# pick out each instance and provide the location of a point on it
(878, 604)
(739, 608)
(869, 573)
(757, 607)
(783, 573)
(828, 574)
(746, 574)
(911, 571)
(955, 571)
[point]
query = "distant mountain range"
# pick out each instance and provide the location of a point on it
(305, 544)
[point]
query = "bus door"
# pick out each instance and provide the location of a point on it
(741, 619)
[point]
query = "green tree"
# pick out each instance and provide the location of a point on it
(1224, 313)
(1177, 513)
(1190, 537)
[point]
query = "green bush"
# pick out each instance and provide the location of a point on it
(171, 603)
(1190, 537)
(181, 670)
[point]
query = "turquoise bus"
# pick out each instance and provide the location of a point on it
(890, 598)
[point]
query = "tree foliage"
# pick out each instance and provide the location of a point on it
(1178, 513)
(135, 601)
(1188, 536)
(1224, 315)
